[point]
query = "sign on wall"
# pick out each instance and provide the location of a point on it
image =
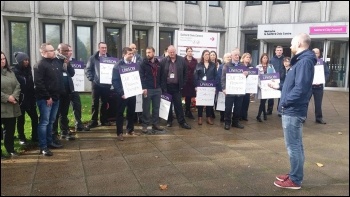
(199, 41)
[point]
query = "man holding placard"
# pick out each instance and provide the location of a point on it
(172, 81)
(127, 84)
(150, 73)
(320, 77)
(98, 89)
(233, 82)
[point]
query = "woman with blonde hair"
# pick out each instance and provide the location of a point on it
(246, 60)
(264, 67)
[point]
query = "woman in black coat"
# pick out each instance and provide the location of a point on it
(23, 72)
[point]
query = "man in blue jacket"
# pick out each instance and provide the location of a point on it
(296, 92)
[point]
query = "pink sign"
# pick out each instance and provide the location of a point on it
(340, 29)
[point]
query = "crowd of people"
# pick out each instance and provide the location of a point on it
(49, 87)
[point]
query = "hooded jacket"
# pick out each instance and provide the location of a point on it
(297, 87)
(25, 78)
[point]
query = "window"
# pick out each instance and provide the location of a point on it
(140, 38)
(19, 38)
(250, 3)
(191, 2)
(52, 34)
(214, 3)
(83, 43)
(309, 1)
(252, 46)
(280, 2)
(113, 41)
(165, 40)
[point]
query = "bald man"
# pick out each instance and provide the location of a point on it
(296, 93)
(172, 82)
(317, 89)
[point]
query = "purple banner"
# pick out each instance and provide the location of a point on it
(206, 84)
(109, 60)
(166, 96)
(269, 76)
(159, 58)
(236, 69)
(126, 68)
(339, 29)
(77, 64)
(253, 71)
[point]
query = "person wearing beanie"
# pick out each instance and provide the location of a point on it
(23, 72)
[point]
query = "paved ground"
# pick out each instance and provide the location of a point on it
(206, 160)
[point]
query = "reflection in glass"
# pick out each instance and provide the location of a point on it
(19, 39)
(165, 39)
(113, 41)
(52, 34)
(140, 38)
(252, 47)
(83, 43)
(336, 59)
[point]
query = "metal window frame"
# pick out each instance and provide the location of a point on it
(191, 2)
(280, 2)
(76, 40)
(137, 42)
(250, 3)
(120, 39)
(44, 31)
(10, 40)
(218, 4)
(172, 39)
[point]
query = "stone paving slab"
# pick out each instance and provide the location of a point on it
(206, 160)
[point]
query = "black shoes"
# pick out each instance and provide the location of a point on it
(227, 127)
(106, 124)
(237, 125)
(157, 128)
(245, 119)
(265, 117)
(169, 124)
(320, 121)
(82, 128)
(185, 125)
(258, 119)
(92, 125)
(54, 145)
(67, 135)
(189, 115)
(46, 152)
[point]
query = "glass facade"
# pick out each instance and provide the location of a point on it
(113, 41)
(52, 34)
(19, 38)
(83, 43)
(140, 38)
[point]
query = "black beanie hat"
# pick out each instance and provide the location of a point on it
(20, 56)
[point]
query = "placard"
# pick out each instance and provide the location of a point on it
(205, 93)
(79, 77)
(138, 107)
(252, 81)
(106, 69)
(236, 80)
(164, 108)
(220, 104)
(319, 75)
(130, 76)
(265, 91)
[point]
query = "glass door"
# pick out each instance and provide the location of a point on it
(337, 62)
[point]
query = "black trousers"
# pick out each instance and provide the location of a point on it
(188, 103)
(32, 113)
(245, 106)
(9, 125)
(262, 107)
(318, 97)
(270, 103)
(174, 91)
(130, 103)
(62, 115)
(99, 92)
(229, 102)
(76, 105)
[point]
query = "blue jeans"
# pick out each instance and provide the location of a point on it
(293, 138)
(47, 118)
